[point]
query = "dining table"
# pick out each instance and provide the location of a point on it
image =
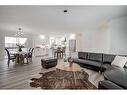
(21, 56)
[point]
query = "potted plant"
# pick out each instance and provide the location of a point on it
(70, 60)
(20, 47)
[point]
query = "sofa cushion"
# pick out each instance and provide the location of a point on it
(87, 62)
(118, 76)
(92, 63)
(119, 61)
(105, 84)
(95, 57)
(82, 55)
(108, 67)
(108, 58)
(76, 60)
(125, 65)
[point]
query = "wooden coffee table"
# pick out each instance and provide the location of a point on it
(65, 66)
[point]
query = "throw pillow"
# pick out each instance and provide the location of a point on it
(125, 65)
(119, 61)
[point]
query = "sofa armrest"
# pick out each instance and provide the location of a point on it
(108, 85)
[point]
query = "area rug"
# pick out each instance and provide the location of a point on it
(58, 79)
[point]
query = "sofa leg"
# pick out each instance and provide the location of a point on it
(100, 72)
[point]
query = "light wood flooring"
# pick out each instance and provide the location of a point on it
(19, 77)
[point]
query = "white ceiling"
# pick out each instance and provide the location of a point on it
(50, 19)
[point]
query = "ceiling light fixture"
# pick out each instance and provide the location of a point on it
(19, 33)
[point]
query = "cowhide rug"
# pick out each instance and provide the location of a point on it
(58, 79)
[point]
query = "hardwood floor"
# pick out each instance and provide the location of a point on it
(19, 77)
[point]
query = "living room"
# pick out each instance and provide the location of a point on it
(63, 47)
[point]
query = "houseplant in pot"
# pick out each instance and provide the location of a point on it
(70, 60)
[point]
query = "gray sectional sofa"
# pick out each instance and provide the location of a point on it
(115, 77)
(89, 60)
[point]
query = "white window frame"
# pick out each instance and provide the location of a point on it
(12, 41)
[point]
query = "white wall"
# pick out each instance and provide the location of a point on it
(118, 35)
(95, 40)
(29, 37)
(12, 34)
(79, 40)
(111, 38)
(39, 41)
(1, 46)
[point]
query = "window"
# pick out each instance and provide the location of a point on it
(12, 41)
(22, 41)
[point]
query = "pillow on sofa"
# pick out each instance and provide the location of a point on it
(125, 65)
(119, 61)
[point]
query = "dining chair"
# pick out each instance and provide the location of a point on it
(29, 49)
(63, 51)
(10, 56)
(59, 52)
(30, 53)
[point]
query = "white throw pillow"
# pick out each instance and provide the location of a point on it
(119, 61)
(125, 65)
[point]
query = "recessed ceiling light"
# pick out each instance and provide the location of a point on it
(72, 36)
(42, 36)
(52, 37)
(65, 11)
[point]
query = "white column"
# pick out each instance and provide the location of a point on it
(79, 42)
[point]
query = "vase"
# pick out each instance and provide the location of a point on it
(20, 49)
(70, 62)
